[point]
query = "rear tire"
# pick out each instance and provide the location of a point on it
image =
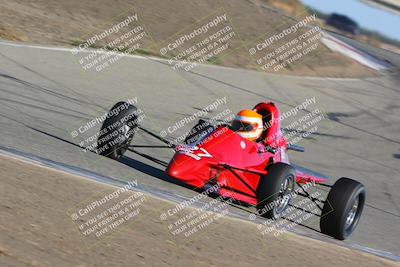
(342, 209)
(117, 130)
(274, 191)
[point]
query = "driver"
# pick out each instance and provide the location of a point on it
(248, 124)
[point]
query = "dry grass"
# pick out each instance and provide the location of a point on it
(66, 22)
(36, 230)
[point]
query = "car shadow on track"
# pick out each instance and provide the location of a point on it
(150, 170)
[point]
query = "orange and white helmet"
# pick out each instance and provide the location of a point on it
(248, 124)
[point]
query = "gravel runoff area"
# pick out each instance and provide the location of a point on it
(36, 230)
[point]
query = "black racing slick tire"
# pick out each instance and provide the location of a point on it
(342, 208)
(275, 190)
(118, 130)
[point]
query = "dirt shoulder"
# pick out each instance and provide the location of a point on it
(36, 230)
(61, 22)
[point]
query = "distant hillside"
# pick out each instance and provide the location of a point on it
(290, 7)
(295, 8)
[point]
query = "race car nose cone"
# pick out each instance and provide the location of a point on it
(188, 170)
(172, 170)
(175, 169)
(180, 166)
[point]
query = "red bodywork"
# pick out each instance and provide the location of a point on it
(204, 163)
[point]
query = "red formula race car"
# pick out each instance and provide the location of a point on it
(256, 172)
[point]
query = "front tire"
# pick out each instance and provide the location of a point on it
(117, 130)
(274, 191)
(342, 209)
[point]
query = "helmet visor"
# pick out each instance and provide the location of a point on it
(241, 126)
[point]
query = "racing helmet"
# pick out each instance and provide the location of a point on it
(248, 124)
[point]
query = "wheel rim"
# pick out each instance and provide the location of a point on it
(126, 132)
(284, 195)
(351, 216)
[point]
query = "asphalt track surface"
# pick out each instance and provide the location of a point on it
(46, 95)
(382, 54)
